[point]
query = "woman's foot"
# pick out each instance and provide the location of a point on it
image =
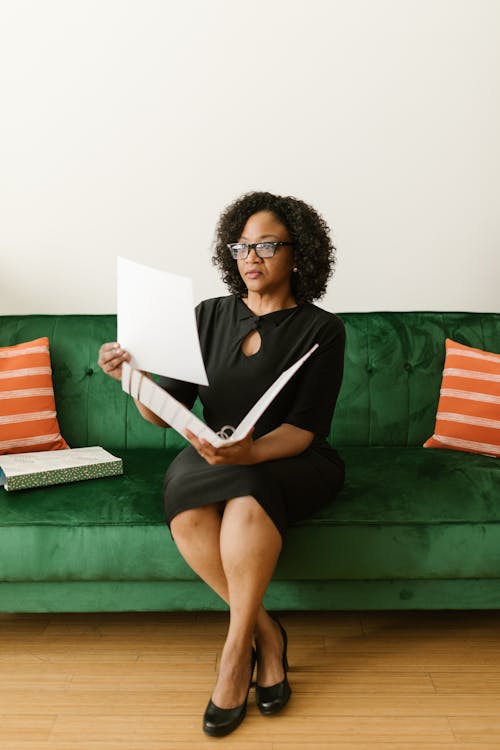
(271, 698)
(220, 720)
(234, 676)
(269, 644)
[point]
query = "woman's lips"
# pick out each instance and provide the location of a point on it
(253, 274)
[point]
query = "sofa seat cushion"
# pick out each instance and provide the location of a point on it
(414, 485)
(398, 516)
(403, 513)
(104, 529)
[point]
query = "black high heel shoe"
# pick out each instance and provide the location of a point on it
(272, 699)
(217, 722)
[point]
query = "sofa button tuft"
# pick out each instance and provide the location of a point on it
(89, 371)
(407, 366)
(369, 369)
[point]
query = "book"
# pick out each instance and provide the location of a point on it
(22, 471)
(175, 414)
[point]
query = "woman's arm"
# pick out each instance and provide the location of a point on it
(111, 358)
(148, 415)
(283, 442)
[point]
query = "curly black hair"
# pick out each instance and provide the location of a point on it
(313, 250)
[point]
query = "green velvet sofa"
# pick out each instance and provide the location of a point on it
(413, 528)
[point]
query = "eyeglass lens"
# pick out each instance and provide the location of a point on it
(240, 250)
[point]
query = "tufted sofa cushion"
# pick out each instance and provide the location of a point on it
(389, 395)
(393, 370)
(399, 519)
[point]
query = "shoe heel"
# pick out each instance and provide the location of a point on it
(285, 645)
(272, 699)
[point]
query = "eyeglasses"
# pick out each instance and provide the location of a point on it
(240, 250)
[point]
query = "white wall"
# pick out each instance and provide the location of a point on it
(126, 125)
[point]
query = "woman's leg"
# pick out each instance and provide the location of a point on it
(249, 548)
(197, 534)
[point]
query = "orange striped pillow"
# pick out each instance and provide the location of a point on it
(28, 419)
(468, 415)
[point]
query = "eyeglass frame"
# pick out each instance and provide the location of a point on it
(255, 246)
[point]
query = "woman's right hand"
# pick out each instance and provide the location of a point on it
(111, 358)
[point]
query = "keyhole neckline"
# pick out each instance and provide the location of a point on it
(252, 342)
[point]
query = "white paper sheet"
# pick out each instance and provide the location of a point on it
(177, 416)
(157, 322)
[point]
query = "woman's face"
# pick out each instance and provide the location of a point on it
(266, 275)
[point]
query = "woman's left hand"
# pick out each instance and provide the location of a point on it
(240, 452)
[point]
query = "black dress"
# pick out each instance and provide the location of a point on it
(288, 489)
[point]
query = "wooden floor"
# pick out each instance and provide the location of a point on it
(361, 681)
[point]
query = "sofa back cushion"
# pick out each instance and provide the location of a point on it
(91, 407)
(393, 370)
(389, 396)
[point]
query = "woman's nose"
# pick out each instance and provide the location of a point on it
(252, 256)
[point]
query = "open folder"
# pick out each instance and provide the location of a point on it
(175, 414)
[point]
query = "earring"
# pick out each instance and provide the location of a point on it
(295, 269)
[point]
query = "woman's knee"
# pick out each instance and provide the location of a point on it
(248, 510)
(188, 522)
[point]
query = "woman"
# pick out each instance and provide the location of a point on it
(228, 508)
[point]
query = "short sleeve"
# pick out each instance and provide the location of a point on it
(320, 381)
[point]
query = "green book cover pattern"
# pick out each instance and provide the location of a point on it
(60, 476)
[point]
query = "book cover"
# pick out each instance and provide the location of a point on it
(21, 471)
